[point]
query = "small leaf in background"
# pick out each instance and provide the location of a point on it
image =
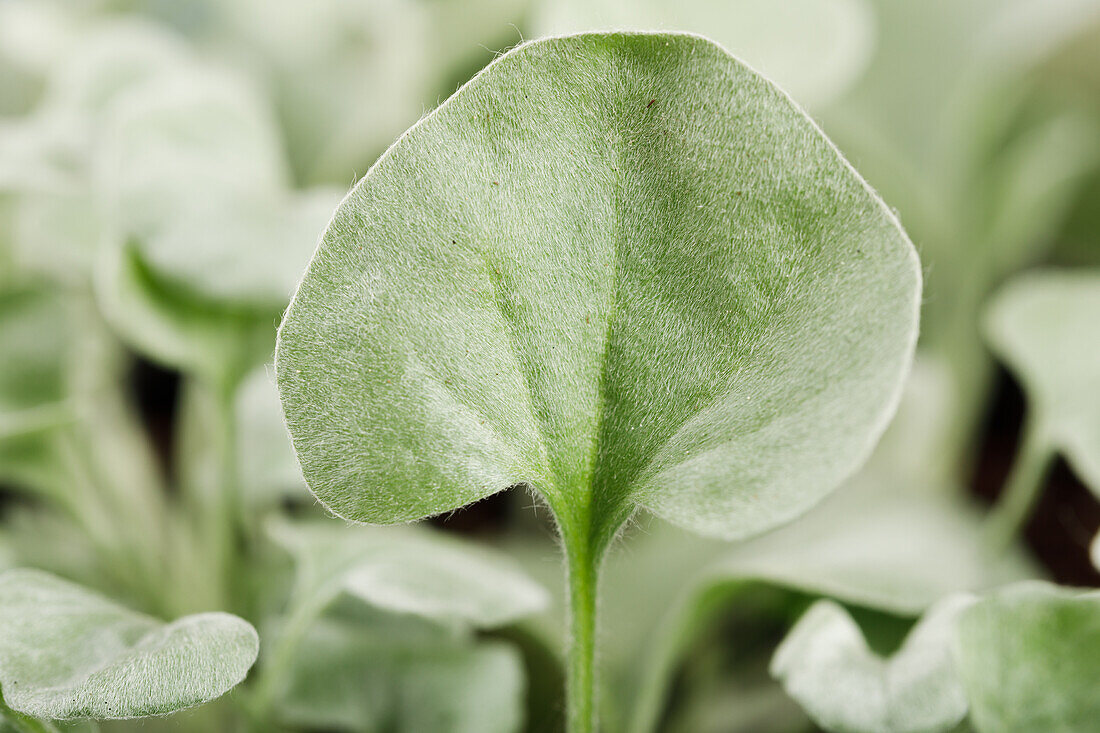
(826, 664)
(32, 35)
(410, 571)
(893, 553)
(813, 49)
(610, 306)
(371, 678)
(66, 652)
(1045, 328)
(1029, 658)
(330, 63)
(216, 344)
(206, 240)
(406, 658)
(110, 58)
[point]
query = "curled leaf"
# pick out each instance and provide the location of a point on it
(66, 652)
(826, 664)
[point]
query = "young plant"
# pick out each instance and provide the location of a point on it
(622, 270)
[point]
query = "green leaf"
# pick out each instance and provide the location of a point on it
(895, 539)
(848, 549)
(360, 679)
(218, 344)
(409, 571)
(621, 268)
(66, 652)
(813, 49)
(1029, 658)
(851, 549)
(422, 594)
(206, 244)
(826, 664)
(1044, 327)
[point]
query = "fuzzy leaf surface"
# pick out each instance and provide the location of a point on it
(621, 268)
(66, 652)
(1029, 658)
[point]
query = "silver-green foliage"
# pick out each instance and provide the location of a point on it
(66, 652)
(620, 268)
(1029, 659)
(826, 664)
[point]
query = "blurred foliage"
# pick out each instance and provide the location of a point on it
(166, 168)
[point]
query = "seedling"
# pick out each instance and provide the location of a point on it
(694, 307)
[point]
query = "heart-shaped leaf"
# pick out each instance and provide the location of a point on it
(826, 664)
(599, 269)
(1044, 327)
(1029, 658)
(622, 269)
(66, 652)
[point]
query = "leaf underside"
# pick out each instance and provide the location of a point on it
(621, 268)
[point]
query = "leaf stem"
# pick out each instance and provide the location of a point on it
(1021, 490)
(277, 664)
(582, 579)
(228, 503)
